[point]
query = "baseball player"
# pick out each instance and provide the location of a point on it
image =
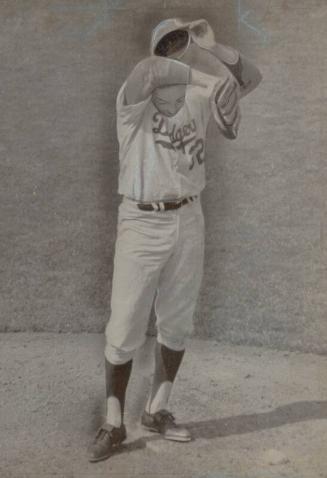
(163, 109)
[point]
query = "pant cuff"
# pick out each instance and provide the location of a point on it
(117, 356)
(173, 344)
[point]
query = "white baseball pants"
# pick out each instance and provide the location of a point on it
(158, 256)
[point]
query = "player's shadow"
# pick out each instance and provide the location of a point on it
(237, 425)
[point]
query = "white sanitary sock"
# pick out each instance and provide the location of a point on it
(160, 400)
(113, 412)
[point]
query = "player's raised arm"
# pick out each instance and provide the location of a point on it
(246, 73)
(243, 69)
(224, 96)
(151, 73)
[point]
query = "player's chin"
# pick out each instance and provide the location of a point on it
(168, 113)
(174, 113)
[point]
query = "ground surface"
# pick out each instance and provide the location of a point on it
(254, 413)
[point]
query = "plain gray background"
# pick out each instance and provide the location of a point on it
(62, 63)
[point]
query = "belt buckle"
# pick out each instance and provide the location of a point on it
(158, 206)
(161, 205)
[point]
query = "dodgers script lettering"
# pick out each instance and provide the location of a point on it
(183, 138)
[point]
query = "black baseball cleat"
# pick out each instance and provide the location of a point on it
(163, 422)
(107, 440)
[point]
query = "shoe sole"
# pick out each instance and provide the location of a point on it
(166, 437)
(115, 449)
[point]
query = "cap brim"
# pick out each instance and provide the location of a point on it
(164, 28)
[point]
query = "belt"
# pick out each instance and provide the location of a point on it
(165, 205)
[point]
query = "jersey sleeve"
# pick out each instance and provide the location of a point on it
(217, 97)
(129, 113)
(129, 117)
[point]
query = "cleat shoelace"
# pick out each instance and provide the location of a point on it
(164, 417)
(102, 434)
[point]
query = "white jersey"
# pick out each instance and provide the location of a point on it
(162, 157)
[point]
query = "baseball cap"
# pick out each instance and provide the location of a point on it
(198, 30)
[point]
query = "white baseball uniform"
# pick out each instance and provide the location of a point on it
(159, 254)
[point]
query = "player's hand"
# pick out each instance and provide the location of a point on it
(202, 34)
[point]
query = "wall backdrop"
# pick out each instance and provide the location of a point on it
(62, 63)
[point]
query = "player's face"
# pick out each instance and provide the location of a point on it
(169, 99)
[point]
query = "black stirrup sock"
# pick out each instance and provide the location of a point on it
(117, 377)
(167, 363)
